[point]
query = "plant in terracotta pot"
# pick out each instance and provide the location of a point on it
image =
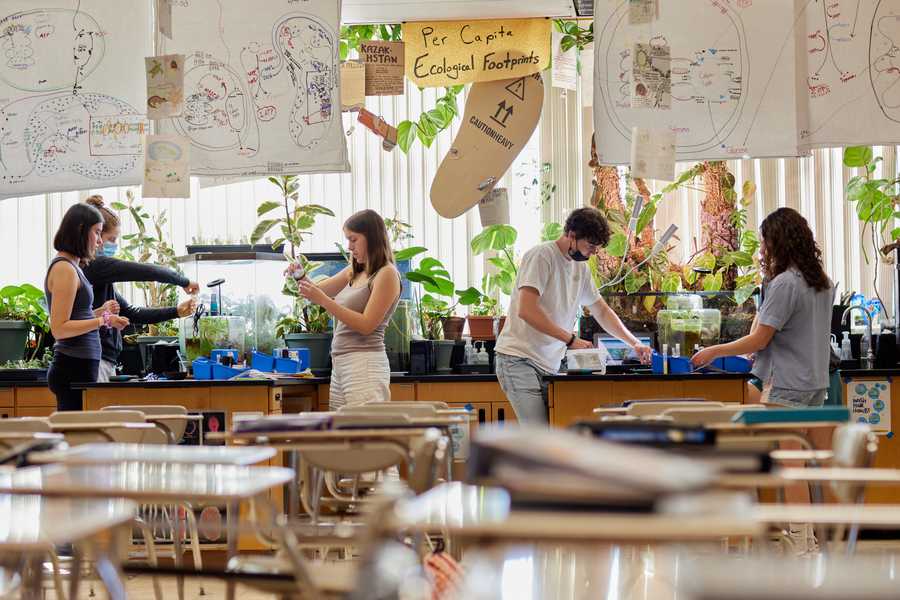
(23, 322)
(500, 279)
(483, 313)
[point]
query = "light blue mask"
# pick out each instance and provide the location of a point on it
(109, 249)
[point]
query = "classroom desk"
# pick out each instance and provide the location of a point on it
(150, 483)
(34, 525)
(89, 454)
(486, 514)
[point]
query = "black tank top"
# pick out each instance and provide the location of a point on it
(86, 345)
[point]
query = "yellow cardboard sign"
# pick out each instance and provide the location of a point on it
(444, 53)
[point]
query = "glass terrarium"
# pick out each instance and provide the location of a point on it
(252, 290)
(639, 311)
(684, 329)
(199, 337)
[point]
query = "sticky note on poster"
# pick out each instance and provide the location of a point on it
(652, 154)
(384, 67)
(353, 85)
(564, 70)
(165, 86)
(167, 167)
(642, 11)
(869, 402)
(651, 77)
(445, 53)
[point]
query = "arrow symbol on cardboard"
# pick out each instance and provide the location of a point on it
(502, 108)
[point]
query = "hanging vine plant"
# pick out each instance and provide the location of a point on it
(431, 122)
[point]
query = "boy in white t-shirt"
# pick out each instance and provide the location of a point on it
(553, 283)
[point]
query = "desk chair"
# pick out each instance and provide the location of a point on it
(174, 427)
(104, 433)
(644, 409)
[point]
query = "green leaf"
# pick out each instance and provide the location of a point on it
(713, 282)
(618, 245)
(262, 228)
(469, 296)
(738, 258)
(344, 50)
(408, 253)
(267, 206)
(119, 206)
(646, 216)
(690, 276)
(748, 190)
(406, 135)
(857, 156)
(743, 293)
(494, 237)
(634, 282)
(671, 283)
(426, 138)
(551, 231)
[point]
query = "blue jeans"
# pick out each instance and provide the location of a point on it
(522, 382)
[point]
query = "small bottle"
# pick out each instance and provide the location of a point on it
(469, 352)
(863, 346)
(482, 357)
(846, 352)
(834, 346)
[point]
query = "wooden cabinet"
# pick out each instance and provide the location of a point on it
(464, 391)
(715, 390)
(7, 398)
(192, 398)
(503, 413)
(403, 392)
(34, 396)
(483, 410)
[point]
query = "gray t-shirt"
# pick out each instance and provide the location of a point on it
(797, 357)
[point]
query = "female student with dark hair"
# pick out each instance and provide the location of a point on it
(791, 333)
(73, 322)
(105, 270)
(362, 298)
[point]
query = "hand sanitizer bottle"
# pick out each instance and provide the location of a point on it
(846, 352)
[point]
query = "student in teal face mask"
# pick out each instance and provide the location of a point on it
(104, 271)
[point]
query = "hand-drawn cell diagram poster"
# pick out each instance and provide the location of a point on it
(71, 94)
(852, 76)
(720, 74)
(261, 86)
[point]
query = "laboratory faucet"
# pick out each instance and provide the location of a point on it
(868, 362)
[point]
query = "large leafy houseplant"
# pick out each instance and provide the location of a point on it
(148, 245)
(877, 201)
(25, 305)
(435, 306)
(293, 223)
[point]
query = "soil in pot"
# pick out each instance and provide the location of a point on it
(453, 328)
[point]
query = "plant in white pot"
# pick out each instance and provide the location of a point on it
(23, 322)
(307, 325)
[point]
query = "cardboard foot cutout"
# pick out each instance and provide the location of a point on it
(498, 121)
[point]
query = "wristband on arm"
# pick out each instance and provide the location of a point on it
(571, 339)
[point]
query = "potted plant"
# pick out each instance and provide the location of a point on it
(23, 322)
(434, 313)
(500, 279)
(483, 313)
(307, 325)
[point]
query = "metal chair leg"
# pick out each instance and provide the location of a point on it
(150, 547)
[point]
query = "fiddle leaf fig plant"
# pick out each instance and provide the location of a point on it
(500, 239)
(434, 306)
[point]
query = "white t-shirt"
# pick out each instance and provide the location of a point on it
(564, 286)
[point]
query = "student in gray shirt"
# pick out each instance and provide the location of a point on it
(791, 333)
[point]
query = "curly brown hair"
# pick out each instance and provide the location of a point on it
(787, 241)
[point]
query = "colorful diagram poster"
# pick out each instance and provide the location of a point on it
(869, 402)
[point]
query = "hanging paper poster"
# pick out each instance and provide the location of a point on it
(384, 67)
(165, 86)
(445, 53)
(494, 208)
(869, 402)
(166, 167)
(164, 17)
(353, 85)
(261, 87)
(564, 70)
(69, 68)
(586, 74)
(653, 154)
(651, 76)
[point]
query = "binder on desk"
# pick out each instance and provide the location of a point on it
(792, 415)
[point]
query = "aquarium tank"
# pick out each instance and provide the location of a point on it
(199, 337)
